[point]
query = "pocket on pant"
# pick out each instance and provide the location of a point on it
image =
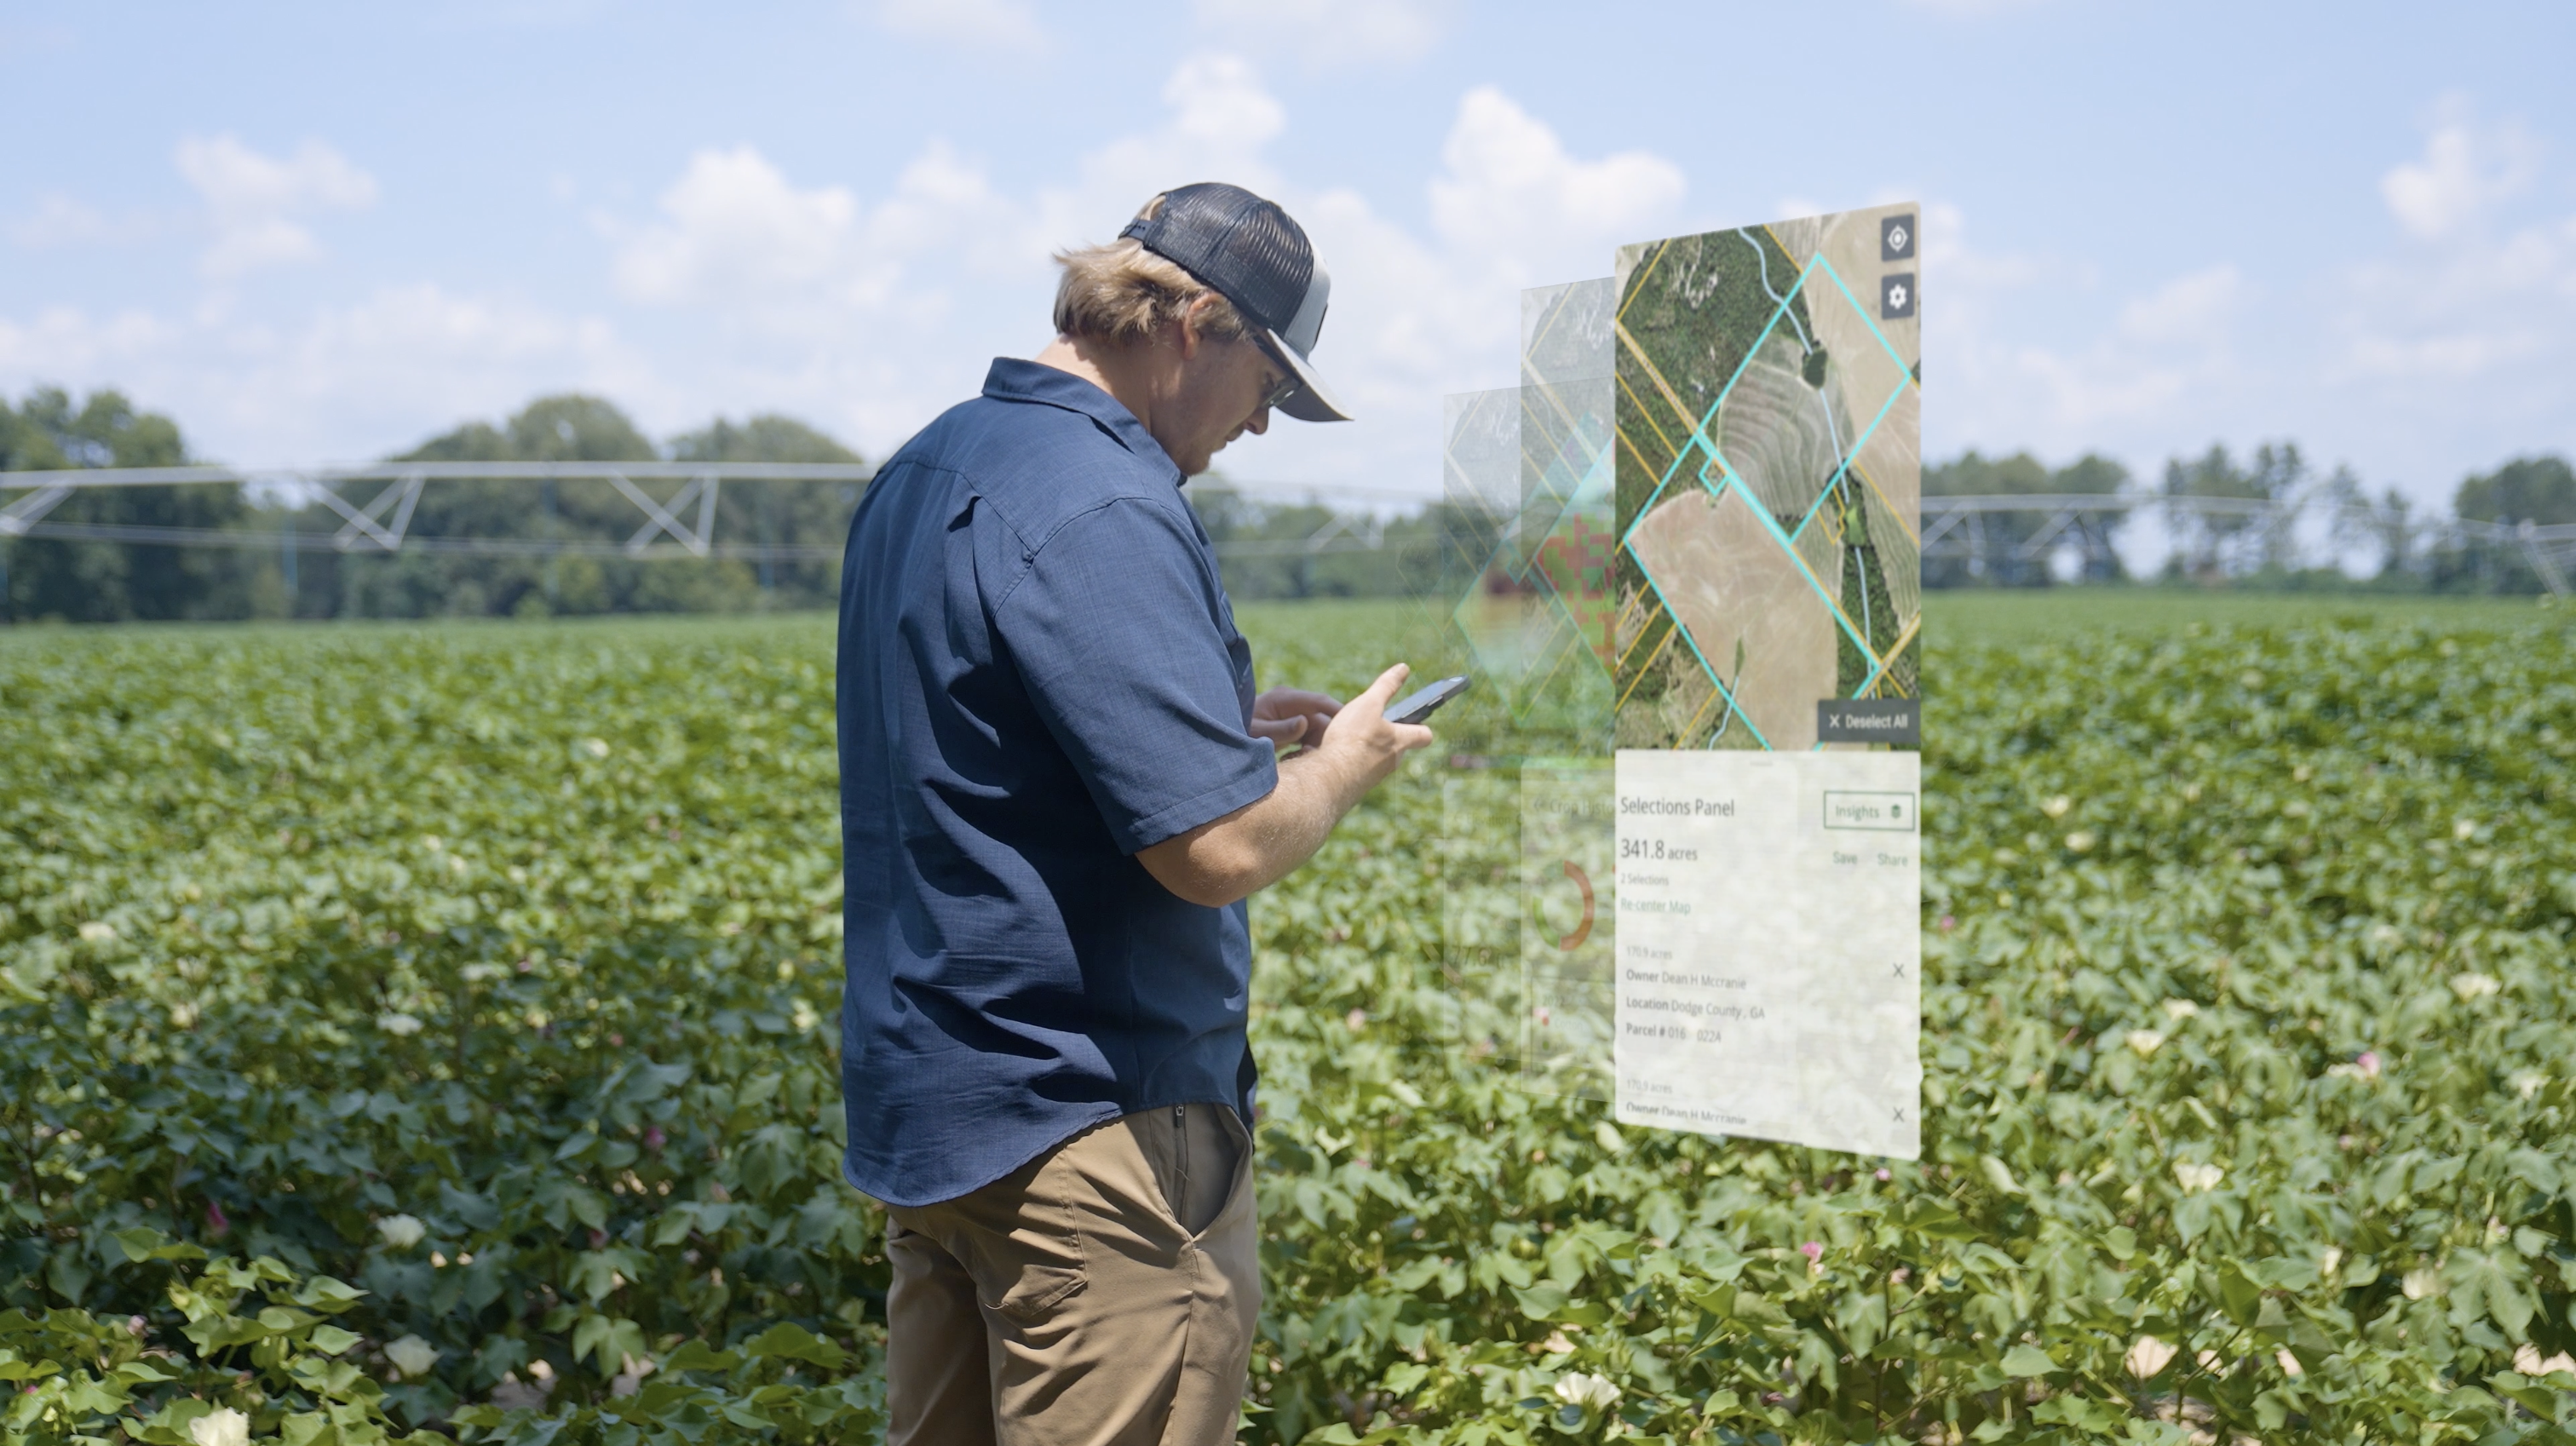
(1028, 1256)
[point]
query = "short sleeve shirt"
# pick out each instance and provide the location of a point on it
(1039, 676)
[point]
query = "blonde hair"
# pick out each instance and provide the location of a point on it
(1123, 293)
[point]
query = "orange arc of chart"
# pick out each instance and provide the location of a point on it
(1583, 930)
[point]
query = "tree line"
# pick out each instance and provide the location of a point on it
(2392, 543)
(1269, 550)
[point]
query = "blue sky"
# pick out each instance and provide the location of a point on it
(323, 232)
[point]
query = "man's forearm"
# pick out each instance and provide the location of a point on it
(1262, 842)
(1258, 844)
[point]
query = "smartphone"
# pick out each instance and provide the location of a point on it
(1419, 706)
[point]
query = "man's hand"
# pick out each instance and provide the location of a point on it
(1225, 859)
(1291, 716)
(1366, 746)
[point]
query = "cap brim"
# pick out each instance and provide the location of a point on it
(1310, 402)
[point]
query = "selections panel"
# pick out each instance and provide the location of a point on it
(1768, 946)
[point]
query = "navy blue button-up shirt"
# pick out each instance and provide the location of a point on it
(1039, 676)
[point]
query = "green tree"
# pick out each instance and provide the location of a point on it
(1993, 558)
(2540, 490)
(102, 580)
(2527, 489)
(2209, 543)
(1308, 550)
(588, 512)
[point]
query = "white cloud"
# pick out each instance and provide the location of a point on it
(735, 232)
(61, 220)
(2196, 307)
(981, 24)
(1999, 380)
(1219, 120)
(344, 383)
(1509, 186)
(252, 199)
(2466, 169)
(1330, 34)
(64, 342)
(2474, 297)
(735, 224)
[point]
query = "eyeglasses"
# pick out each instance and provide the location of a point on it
(1288, 383)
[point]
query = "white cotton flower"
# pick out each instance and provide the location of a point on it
(2464, 829)
(2333, 1260)
(2528, 1083)
(2421, 1282)
(2145, 1041)
(2179, 1010)
(225, 1427)
(2474, 986)
(2149, 1356)
(2198, 1177)
(595, 747)
(412, 1356)
(2057, 807)
(398, 1024)
(2081, 841)
(1581, 1388)
(97, 932)
(402, 1232)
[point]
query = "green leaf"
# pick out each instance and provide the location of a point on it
(696, 1356)
(141, 1245)
(791, 1341)
(2027, 1360)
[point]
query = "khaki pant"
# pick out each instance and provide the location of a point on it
(1104, 1294)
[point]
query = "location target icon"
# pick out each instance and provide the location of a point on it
(1896, 237)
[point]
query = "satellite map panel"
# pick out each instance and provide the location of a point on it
(1768, 480)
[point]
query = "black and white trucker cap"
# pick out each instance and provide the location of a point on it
(1248, 250)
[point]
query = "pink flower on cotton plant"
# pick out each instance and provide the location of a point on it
(1814, 1250)
(215, 1220)
(2369, 1062)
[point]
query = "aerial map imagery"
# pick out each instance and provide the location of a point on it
(1768, 479)
(1528, 551)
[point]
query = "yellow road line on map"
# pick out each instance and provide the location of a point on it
(1887, 675)
(1671, 398)
(1638, 285)
(1714, 693)
(1648, 414)
(1632, 449)
(1892, 509)
(1669, 634)
(1620, 624)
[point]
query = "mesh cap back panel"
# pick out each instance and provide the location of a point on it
(1235, 241)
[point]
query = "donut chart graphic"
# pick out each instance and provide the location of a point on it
(1582, 931)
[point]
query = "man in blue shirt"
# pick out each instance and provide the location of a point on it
(1058, 786)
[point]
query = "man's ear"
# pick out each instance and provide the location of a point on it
(1191, 337)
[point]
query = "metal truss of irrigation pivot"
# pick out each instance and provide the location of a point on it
(1956, 527)
(383, 522)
